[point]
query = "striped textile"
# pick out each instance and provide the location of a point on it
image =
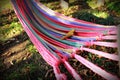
(45, 28)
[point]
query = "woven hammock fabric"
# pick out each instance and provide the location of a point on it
(58, 37)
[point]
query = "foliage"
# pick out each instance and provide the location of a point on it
(14, 75)
(114, 6)
(31, 48)
(54, 5)
(9, 31)
(23, 72)
(100, 14)
(92, 3)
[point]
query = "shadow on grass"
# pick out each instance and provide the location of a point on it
(88, 16)
(10, 43)
(33, 68)
(22, 64)
(82, 4)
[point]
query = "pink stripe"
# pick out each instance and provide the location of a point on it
(71, 70)
(111, 37)
(104, 54)
(113, 32)
(106, 44)
(58, 74)
(96, 69)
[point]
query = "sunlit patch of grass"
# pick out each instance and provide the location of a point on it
(5, 4)
(70, 10)
(53, 5)
(100, 14)
(92, 3)
(31, 48)
(9, 31)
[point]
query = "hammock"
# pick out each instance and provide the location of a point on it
(58, 38)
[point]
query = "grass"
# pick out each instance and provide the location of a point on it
(5, 4)
(23, 71)
(31, 48)
(114, 6)
(10, 30)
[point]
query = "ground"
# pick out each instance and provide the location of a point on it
(19, 60)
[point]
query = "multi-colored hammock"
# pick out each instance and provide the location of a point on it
(58, 38)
